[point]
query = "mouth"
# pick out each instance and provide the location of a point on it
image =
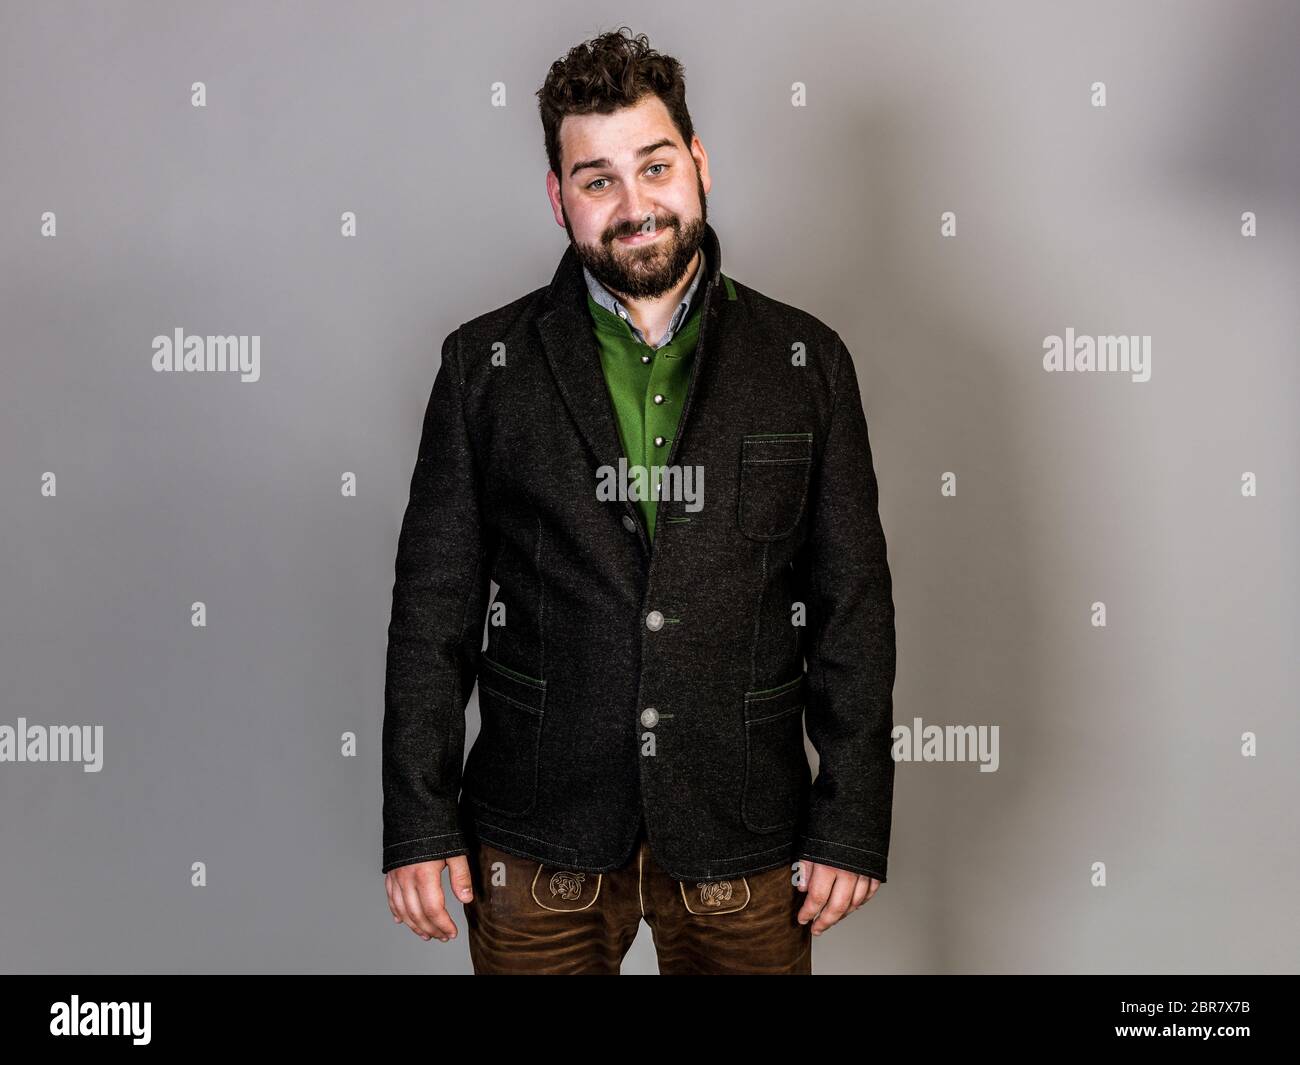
(641, 238)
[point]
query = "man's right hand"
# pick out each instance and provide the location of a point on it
(416, 898)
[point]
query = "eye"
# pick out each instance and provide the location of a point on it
(653, 165)
(592, 185)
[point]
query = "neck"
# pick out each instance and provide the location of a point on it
(652, 316)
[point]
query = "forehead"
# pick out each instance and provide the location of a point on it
(617, 135)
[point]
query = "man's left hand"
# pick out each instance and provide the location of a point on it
(832, 893)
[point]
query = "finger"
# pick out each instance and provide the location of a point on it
(802, 870)
(462, 884)
(416, 918)
(433, 902)
(818, 891)
(860, 890)
(837, 905)
(393, 907)
(875, 886)
(395, 896)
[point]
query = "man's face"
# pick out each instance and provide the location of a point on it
(635, 216)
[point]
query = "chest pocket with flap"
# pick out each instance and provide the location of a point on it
(774, 474)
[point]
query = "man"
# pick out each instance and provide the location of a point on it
(642, 693)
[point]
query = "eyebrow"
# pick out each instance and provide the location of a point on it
(666, 142)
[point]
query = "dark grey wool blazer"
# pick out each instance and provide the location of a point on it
(624, 679)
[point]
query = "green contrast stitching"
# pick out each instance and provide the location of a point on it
(507, 671)
(779, 688)
(505, 698)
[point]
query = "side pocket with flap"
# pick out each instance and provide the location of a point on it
(777, 774)
(501, 771)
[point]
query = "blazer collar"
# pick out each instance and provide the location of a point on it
(574, 357)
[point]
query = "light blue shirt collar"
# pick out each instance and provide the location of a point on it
(611, 303)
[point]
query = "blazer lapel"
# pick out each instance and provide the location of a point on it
(571, 350)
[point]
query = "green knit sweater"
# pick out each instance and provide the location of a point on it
(647, 396)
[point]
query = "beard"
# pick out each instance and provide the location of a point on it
(647, 271)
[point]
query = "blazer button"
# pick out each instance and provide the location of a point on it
(658, 398)
(628, 523)
(659, 441)
(649, 717)
(645, 358)
(654, 621)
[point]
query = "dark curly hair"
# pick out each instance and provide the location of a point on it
(604, 74)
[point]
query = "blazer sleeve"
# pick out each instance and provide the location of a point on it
(851, 648)
(435, 633)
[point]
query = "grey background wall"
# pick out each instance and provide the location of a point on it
(1119, 744)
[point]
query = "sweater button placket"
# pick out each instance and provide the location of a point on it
(656, 410)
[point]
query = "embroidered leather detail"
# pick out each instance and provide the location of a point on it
(717, 896)
(715, 893)
(567, 885)
(564, 889)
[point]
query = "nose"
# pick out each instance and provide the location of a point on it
(639, 212)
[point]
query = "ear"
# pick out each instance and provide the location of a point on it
(701, 158)
(553, 194)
